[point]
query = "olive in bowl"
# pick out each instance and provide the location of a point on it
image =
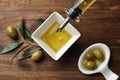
(93, 59)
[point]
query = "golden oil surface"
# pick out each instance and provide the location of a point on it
(55, 39)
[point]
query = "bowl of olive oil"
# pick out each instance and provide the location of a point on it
(54, 43)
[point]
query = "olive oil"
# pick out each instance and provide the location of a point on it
(86, 4)
(55, 39)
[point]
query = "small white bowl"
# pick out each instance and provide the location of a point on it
(103, 67)
(45, 26)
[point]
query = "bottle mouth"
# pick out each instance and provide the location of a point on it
(64, 23)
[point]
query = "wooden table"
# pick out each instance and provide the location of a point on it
(100, 24)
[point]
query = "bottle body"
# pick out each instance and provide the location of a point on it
(85, 5)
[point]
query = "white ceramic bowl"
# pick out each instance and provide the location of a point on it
(45, 26)
(103, 67)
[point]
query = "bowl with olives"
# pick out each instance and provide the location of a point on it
(95, 60)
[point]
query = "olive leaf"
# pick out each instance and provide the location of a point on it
(27, 54)
(28, 35)
(11, 47)
(19, 51)
(22, 28)
(24, 31)
(40, 21)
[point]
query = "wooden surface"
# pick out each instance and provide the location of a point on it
(100, 24)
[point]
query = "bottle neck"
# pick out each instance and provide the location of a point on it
(77, 11)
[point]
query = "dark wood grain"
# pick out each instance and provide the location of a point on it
(101, 23)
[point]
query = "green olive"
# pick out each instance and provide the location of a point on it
(98, 62)
(90, 56)
(12, 33)
(90, 65)
(99, 54)
(37, 55)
